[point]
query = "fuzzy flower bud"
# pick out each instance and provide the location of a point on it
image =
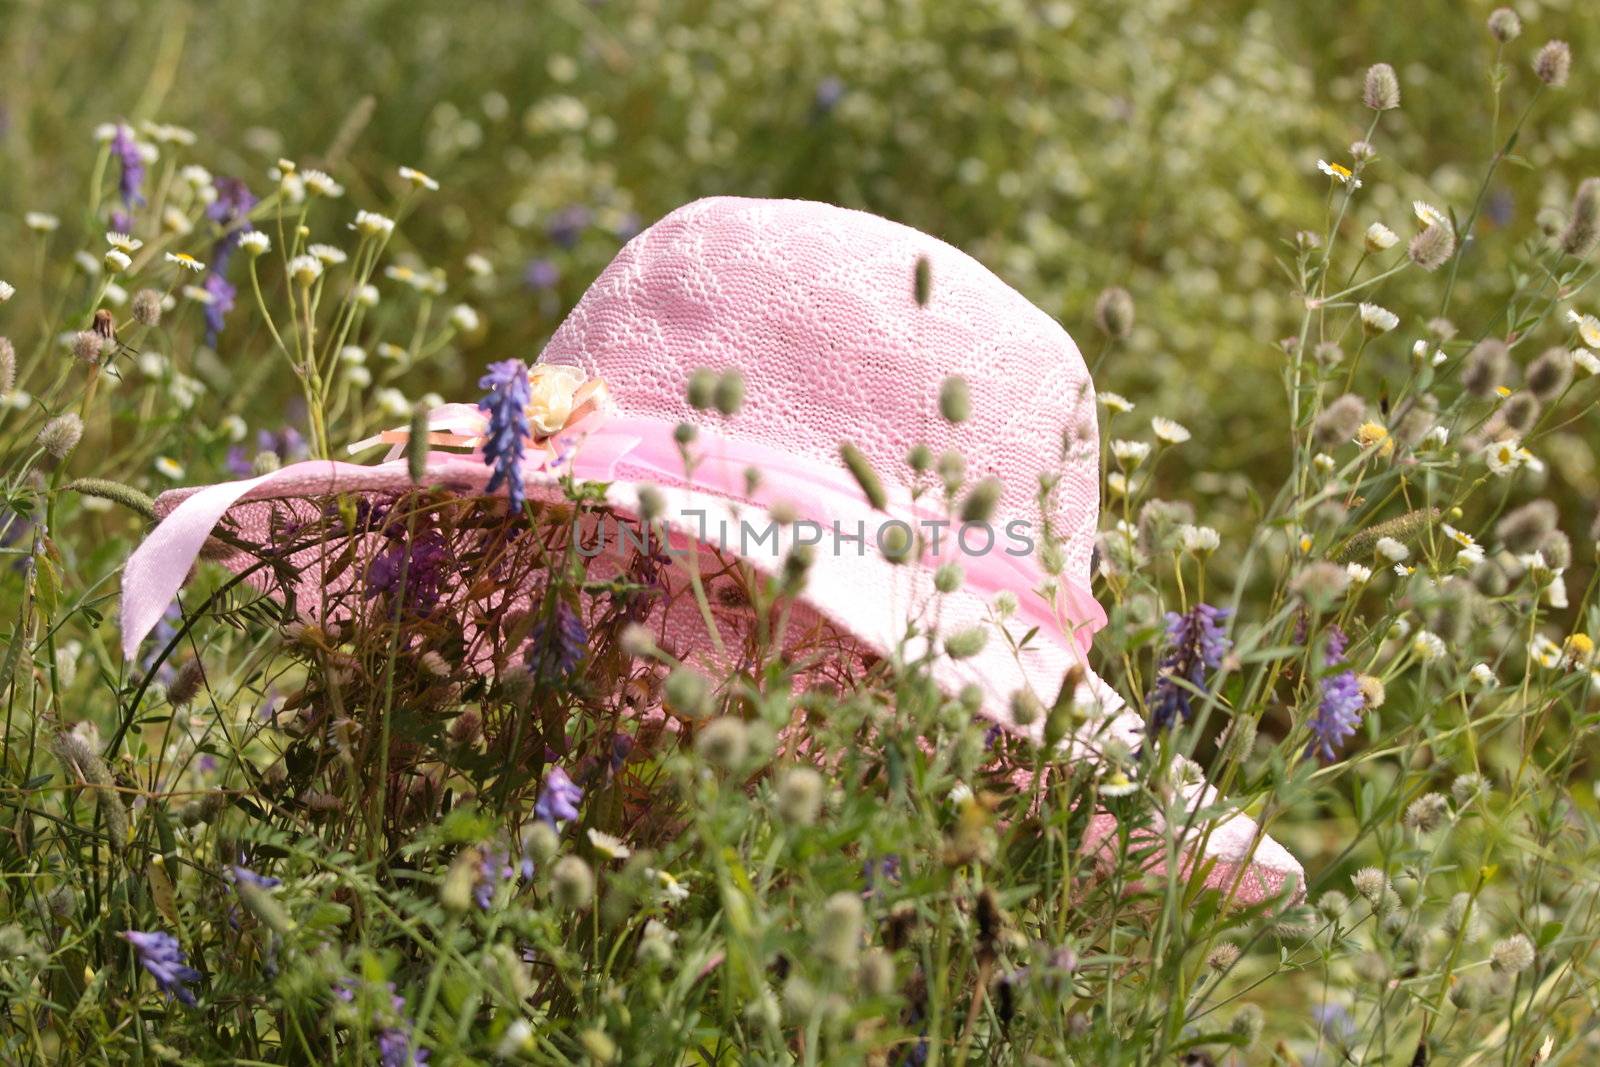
(147, 307)
(1553, 63)
(1339, 421)
(1113, 313)
(1424, 814)
(1433, 247)
(1381, 90)
(1582, 231)
(61, 435)
(1504, 25)
(1513, 955)
(572, 882)
(800, 795)
(1486, 367)
(1549, 375)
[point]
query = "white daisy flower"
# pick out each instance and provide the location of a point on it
(1437, 437)
(1469, 558)
(195, 177)
(960, 793)
(1132, 453)
(367, 296)
(1117, 483)
(255, 243)
(1339, 173)
(360, 377)
(1171, 432)
(1503, 457)
(7, 291)
(418, 179)
(464, 318)
(319, 183)
(1545, 652)
(117, 261)
(1403, 570)
(1589, 361)
(608, 846)
(41, 222)
(1429, 215)
(393, 402)
(1323, 462)
(353, 356)
(1116, 784)
(1116, 402)
(169, 467)
(1199, 538)
(328, 254)
(115, 295)
(478, 265)
(1378, 319)
(233, 426)
(199, 295)
(372, 224)
(1392, 550)
(176, 222)
(1380, 238)
(184, 261)
(1460, 537)
(1588, 328)
(1428, 646)
(123, 243)
(1483, 675)
(87, 262)
(389, 350)
(672, 890)
(305, 270)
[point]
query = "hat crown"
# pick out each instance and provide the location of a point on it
(815, 306)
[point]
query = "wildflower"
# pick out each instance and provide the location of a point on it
(1522, 529)
(1549, 375)
(506, 404)
(418, 179)
(372, 224)
(1339, 711)
(1116, 783)
(61, 435)
(1196, 643)
(128, 156)
(1428, 215)
(1372, 435)
(1340, 173)
(255, 243)
(1379, 238)
(1113, 313)
(249, 877)
(464, 318)
(1589, 361)
(1588, 327)
(541, 275)
(328, 255)
(1198, 539)
(608, 846)
(8, 366)
(493, 867)
(184, 261)
(305, 270)
(1504, 457)
(1545, 652)
(1483, 675)
(1433, 247)
(1582, 232)
(478, 265)
(1377, 320)
(800, 795)
(319, 183)
(1132, 453)
(1553, 63)
(1119, 404)
(1372, 885)
(116, 261)
(41, 222)
(1504, 25)
(161, 955)
(1339, 421)
(568, 224)
(1381, 89)
(1391, 549)
(1428, 646)
(1513, 955)
(1171, 432)
(1577, 650)
(169, 468)
(1225, 955)
(572, 882)
(558, 798)
(123, 243)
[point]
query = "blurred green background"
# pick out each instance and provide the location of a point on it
(1163, 145)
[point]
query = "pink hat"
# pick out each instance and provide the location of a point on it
(814, 306)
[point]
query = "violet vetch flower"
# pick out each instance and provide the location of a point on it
(494, 867)
(422, 566)
(1339, 713)
(126, 151)
(559, 647)
(222, 297)
(249, 877)
(160, 954)
(558, 799)
(230, 211)
(395, 1044)
(541, 274)
(568, 224)
(506, 404)
(1196, 644)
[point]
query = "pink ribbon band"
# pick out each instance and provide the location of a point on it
(646, 450)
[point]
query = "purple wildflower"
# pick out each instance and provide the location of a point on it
(568, 224)
(230, 211)
(161, 955)
(541, 274)
(249, 877)
(222, 297)
(1196, 644)
(494, 867)
(126, 151)
(422, 565)
(396, 1047)
(1339, 712)
(830, 91)
(558, 799)
(507, 407)
(559, 647)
